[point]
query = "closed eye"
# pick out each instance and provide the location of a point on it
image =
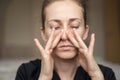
(56, 28)
(75, 27)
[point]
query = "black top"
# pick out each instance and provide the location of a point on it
(31, 71)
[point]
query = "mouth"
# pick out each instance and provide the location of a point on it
(66, 47)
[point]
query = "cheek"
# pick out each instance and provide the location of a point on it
(48, 32)
(80, 31)
(57, 31)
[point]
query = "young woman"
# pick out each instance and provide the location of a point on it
(65, 55)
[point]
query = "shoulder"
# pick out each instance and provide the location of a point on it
(30, 66)
(107, 72)
(32, 63)
(105, 69)
(29, 70)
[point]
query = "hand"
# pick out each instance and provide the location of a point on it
(47, 64)
(85, 58)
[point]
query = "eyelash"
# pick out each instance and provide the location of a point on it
(56, 28)
(75, 27)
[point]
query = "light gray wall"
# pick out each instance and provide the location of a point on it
(21, 22)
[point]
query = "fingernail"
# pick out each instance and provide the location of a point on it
(73, 29)
(62, 30)
(53, 29)
(67, 32)
(93, 34)
(35, 39)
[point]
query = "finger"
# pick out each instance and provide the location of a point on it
(92, 42)
(41, 49)
(80, 41)
(57, 39)
(49, 43)
(72, 39)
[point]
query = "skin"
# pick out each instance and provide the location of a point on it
(66, 27)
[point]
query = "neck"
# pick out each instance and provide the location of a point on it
(66, 68)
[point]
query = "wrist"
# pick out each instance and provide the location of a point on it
(45, 77)
(97, 75)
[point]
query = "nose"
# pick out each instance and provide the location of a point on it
(64, 35)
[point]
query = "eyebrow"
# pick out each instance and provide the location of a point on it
(55, 20)
(73, 19)
(59, 21)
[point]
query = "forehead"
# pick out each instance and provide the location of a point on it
(62, 10)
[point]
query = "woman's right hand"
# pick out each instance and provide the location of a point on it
(47, 64)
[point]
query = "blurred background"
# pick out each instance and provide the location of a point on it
(20, 24)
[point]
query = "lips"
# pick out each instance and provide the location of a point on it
(66, 47)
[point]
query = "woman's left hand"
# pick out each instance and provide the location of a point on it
(85, 56)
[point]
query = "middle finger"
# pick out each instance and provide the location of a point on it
(56, 40)
(80, 41)
(72, 39)
(50, 40)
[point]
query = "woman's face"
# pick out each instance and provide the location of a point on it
(63, 16)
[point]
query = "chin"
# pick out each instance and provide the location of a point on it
(66, 54)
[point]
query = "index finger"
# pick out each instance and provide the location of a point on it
(80, 41)
(50, 40)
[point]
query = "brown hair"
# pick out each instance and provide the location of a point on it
(46, 3)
